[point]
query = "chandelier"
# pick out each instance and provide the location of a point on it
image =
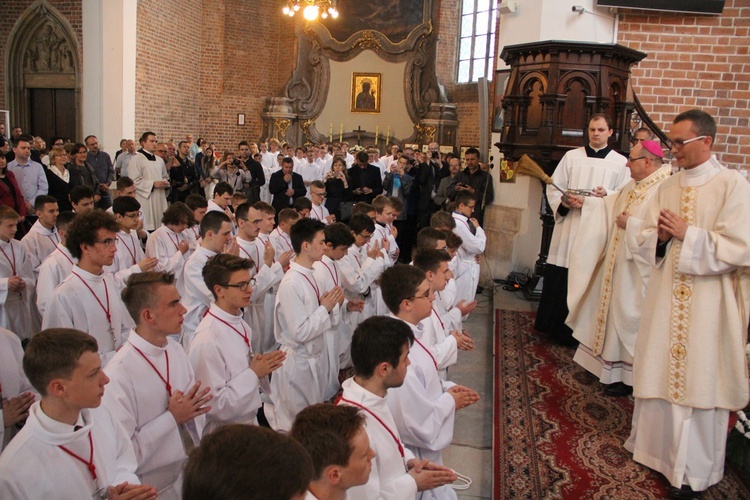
(311, 9)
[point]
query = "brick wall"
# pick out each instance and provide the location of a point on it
(12, 10)
(696, 62)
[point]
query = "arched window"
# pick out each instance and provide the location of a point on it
(476, 51)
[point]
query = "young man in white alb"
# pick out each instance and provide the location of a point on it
(57, 266)
(16, 392)
(69, 446)
(221, 352)
(380, 353)
(301, 318)
(129, 258)
(474, 240)
(89, 299)
(216, 234)
(170, 244)
(152, 390)
(318, 197)
(43, 237)
(16, 278)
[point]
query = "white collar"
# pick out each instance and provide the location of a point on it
(56, 433)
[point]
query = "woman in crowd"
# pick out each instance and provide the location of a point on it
(229, 171)
(10, 195)
(337, 186)
(205, 167)
(398, 183)
(81, 172)
(59, 179)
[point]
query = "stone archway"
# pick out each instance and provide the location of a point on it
(43, 73)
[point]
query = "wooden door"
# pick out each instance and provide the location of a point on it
(52, 113)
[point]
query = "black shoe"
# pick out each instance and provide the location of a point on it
(684, 493)
(618, 389)
(566, 341)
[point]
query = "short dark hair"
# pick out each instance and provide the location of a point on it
(265, 208)
(603, 116)
(429, 260)
(399, 283)
(79, 193)
(428, 237)
(124, 204)
(177, 213)
(222, 188)
(398, 205)
(83, 229)
(361, 222)
(442, 219)
(302, 203)
(473, 151)
(144, 137)
(241, 211)
(220, 267)
(326, 431)
(287, 161)
(212, 221)
(246, 462)
(179, 144)
(42, 200)
(86, 140)
(464, 198)
(196, 201)
(243, 143)
(363, 157)
(703, 123)
(318, 184)
(140, 291)
(54, 353)
(304, 231)
(124, 182)
(376, 340)
(64, 219)
(362, 208)
(339, 234)
(452, 240)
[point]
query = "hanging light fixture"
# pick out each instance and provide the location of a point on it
(311, 9)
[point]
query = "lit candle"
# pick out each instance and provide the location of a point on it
(377, 128)
(330, 133)
(341, 132)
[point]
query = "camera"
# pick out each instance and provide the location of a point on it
(435, 155)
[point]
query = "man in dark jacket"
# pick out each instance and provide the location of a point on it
(473, 180)
(364, 179)
(286, 186)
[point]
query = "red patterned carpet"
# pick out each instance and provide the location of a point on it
(556, 435)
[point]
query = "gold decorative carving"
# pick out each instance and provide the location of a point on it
(281, 127)
(305, 126)
(426, 132)
(368, 41)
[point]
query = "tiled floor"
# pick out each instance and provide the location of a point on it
(471, 450)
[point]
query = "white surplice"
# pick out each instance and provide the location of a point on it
(358, 273)
(338, 337)
(137, 397)
(690, 367)
(265, 278)
(267, 337)
(423, 411)
(607, 280)
(164, 245)
(578, 171)
(300, 323)
(380, 234)
(437, 338)
(319, 212)
(82, 306)
(280, 242)
(473, 245)
(144, 173)
(388, 477)
(39, 242)
(53, 271)
(15, 314)
(129, 254)
(219, 356)
(34, 466)
(13, 380)
(197, 296)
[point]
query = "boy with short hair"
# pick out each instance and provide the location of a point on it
(199, 205)
(279, 237)
(57, 266)
(317, 198)
(43, 237)
(129, 257)
(301, 317)
(82, 199)
(16, 277)
(221, 353)
(170, 244)
(53, 455)
(468, 228)
(303, 206)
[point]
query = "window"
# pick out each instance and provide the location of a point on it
(477, 40)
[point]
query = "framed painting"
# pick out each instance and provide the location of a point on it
(415, 147)
(366, 92)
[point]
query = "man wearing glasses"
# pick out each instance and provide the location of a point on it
(690, 369)
(318, 197)
(89, 299)
(593, 170)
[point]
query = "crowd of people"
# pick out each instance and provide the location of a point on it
(183, 324)
(647, 279)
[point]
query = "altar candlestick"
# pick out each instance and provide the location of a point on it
(377, 127)
(330, 133)
(341, 133)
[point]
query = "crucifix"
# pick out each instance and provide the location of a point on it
(359, 133)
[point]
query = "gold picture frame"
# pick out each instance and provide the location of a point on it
(366, 92)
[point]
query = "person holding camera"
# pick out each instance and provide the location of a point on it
(232, 171)
(182, 175)
(475, 181)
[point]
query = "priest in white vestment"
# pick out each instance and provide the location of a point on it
(151, 181)
(69, 446)
(690, 368)
(608, 278)
(594, 170)
(152, 391)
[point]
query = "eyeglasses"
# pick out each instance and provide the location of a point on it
(322, 195)
(254, 221)
(134, 215)
(108, 242)
(161, 150)
(631, 159)
(241, 286)
(679, 144)
(425, 296)
(365, 236)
